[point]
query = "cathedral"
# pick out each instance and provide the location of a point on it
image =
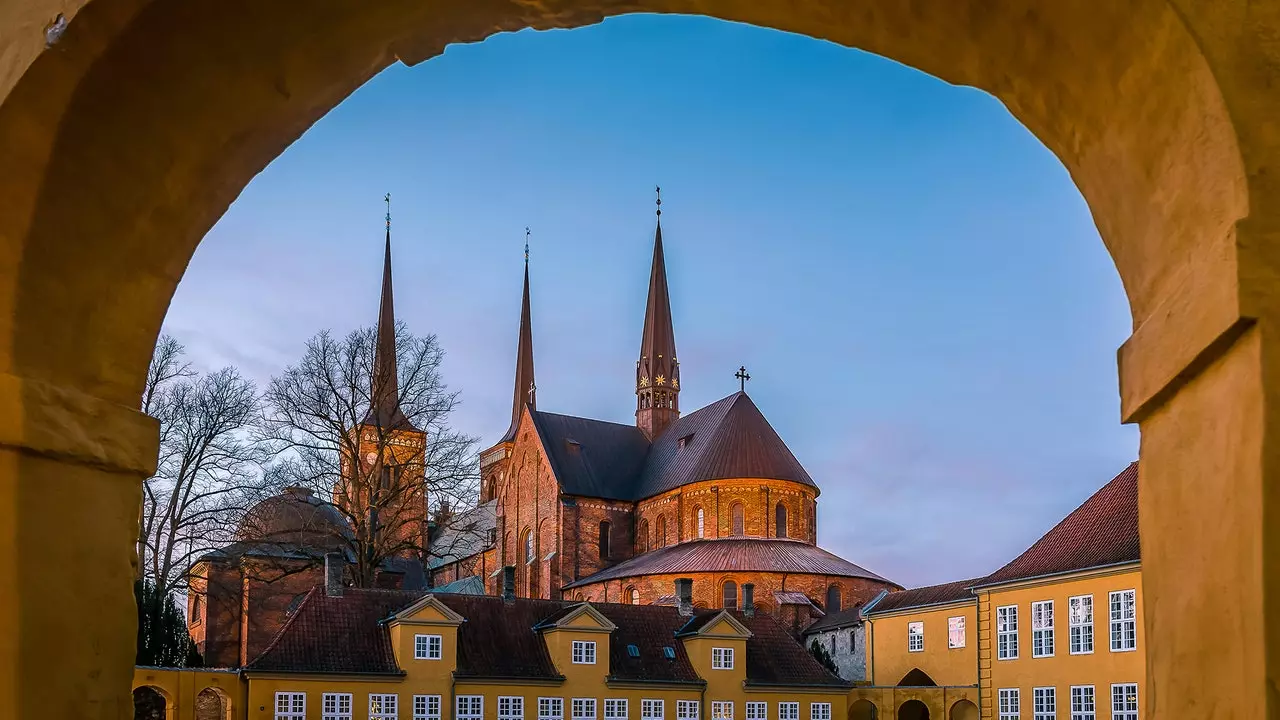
(581, 509)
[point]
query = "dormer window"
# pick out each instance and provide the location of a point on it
(584, 652)
(669, 652)
(684, 441)
(721, 658)
(573, 445)
(633, 651)
(427, 647)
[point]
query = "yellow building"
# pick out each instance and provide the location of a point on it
(386, 655)
(1054, 634)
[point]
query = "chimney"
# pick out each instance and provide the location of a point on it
(333, 571)
(684, 596)
(749, 599)
(508, 582)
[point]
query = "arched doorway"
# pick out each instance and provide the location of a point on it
(863, 710)
(1176, 177)
(149, 703)
(963, 710)
(212, 704)
(913, 710)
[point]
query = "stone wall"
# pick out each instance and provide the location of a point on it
(847, 647)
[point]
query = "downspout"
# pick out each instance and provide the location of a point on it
(453, 697)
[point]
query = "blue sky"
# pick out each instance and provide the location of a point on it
(916, 286)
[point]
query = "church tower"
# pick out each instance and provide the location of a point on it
(657, 370)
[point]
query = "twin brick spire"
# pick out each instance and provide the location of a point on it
(526, 392)
(384, 401)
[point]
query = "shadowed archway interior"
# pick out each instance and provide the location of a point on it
(125, 141)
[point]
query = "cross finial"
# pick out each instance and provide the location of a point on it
(387, 198)
(526, 245)
(743, 376)
(658, 190)
(532, 389)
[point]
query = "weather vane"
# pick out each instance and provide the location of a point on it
(387, 197)
(526, 244)
(657, 189)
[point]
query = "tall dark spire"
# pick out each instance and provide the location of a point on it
(384, 405)
(657, 370)
(526, 391)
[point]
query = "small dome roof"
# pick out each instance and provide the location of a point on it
(294, 516)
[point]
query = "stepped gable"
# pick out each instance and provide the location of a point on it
(346, 634)
(592, 458)
(735, 554)
(1102, 531)
(729, 438)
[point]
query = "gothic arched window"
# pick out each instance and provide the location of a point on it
(833, 599)
(529, 552)
(780, 520)
(604, 540)
(730, 595)
(660, 539)
(633, 596)
(642, 537)
(737, 521)
(702, 530)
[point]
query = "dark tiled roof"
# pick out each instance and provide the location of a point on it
(733, 554)
(729, 438)
(920, 597)
(833, 621)
(775, 658)
(592, 458)
(345, 635)
(467, 534)
(1102, 531)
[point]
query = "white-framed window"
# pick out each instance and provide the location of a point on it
(550, 708)
(1082, 702)
(721, 710)
(652, 709)
(1044, 703)
(615, 709)
(1007, 632)
(1124, 620)
(757, 710)
(701, 524)
(584, 652)
(1124, 701)
(687, 710)
(426, 707)
(788, 711)
(383, 706)
(510, 707)
(335, 706)
(1080, 624)
(820, 711)
(291, 706)
(469, 707)
(721, 658)
(915, 637)
(427, 647)
(584, 708)
(1010, 704)
(1042, 628)
(955, 633)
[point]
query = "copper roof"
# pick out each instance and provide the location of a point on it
(384, 406)
(729, 438)
(1102, 531)
(734, 555)
(658, 339)
(345, 634)
(923, 596)
(525, 390)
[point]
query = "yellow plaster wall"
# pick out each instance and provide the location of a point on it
(180, 687)
(1100, 668)
(890, 659)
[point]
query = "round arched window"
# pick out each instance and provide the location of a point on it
(737, 519)
(633, 596)
(730, 595)
(701, 519)
(529, 552)
(780, 520)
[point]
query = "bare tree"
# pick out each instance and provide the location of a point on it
(209, 468)
(380, 458)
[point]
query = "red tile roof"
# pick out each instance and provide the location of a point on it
(733, 554)
(923, 596)
(1102, 531)
(345, 634)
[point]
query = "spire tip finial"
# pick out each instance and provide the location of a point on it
(526, 244)
(387, 198)
(658, 189)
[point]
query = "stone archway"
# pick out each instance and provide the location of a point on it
(151, 703)
(913, 710)
(863, 710)
(212, 704)
(124, 143)
(963, 710)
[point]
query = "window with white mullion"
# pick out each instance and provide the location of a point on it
(652, 709)
(1082, 703)
(722, 710)
(615, 709)
(757, 710)
(820, 711)
(1080, 624)
(1124, 701)
(788, 711)
(915, 637)
(687, 710)
(335, 706)
(550, 708)
(584, 652)
(510, 707)
(1010, 704)
(722, 658)
(1044, 703)
(383, 706)
(1124, 620)
(1007, 632)
(426, 707)
(427, 647)
(469, 707)
(584, 709)
(1042, 628)
(291, 706)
